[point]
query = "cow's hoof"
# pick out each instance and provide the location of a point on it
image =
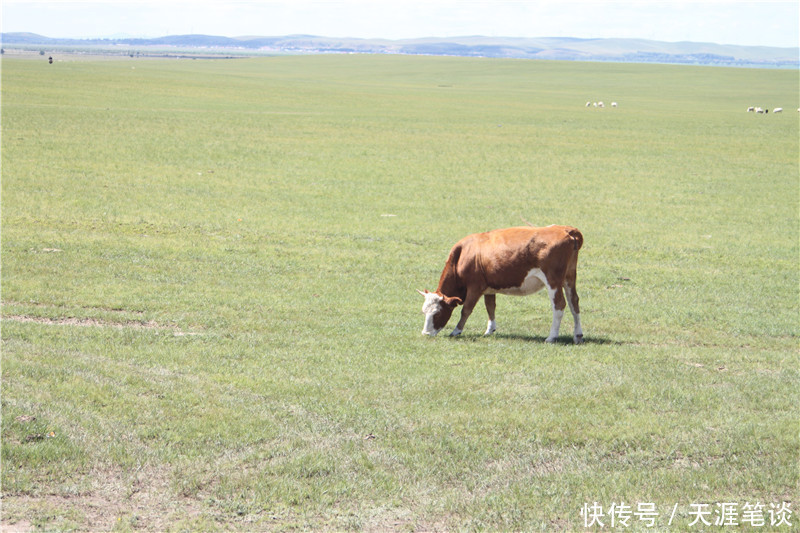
(579, 339)
(550, 340)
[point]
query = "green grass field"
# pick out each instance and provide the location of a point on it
(210, 320)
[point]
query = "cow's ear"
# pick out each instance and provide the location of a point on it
(452, 301)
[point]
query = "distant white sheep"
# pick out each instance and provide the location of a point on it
(751, 109)
(777, 110)
(599, 104)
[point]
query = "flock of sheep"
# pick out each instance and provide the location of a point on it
(751, 109)
(599, 104)
(761, 110)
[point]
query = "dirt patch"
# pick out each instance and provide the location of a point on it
(22, 526)
(143, 500)
(95, 322)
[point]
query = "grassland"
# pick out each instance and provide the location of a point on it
(209, 317)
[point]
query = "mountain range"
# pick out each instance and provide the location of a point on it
(561, 48)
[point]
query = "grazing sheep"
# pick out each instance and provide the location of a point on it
(777, 110)
(613, 104)
(751, 109)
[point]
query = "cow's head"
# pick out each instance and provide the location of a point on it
(437, 310)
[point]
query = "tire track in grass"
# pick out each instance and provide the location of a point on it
(97, 322)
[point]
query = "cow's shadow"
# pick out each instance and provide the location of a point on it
(561, 340)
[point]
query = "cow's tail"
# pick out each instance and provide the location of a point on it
(576, 238)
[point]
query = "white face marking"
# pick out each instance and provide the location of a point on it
(431, 306)
(427, 328)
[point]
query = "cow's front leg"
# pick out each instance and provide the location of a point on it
(469, 304)
(491, 303)
(559, 303)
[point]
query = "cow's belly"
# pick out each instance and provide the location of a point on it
(534, 281)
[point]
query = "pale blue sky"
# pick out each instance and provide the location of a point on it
(760, 23)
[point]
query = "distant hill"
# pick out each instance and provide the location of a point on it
(563, 48)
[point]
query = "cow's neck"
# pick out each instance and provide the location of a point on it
(450, 285)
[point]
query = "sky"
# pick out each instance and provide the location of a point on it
(752, 23)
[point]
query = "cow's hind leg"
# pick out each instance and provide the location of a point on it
(491, 303)
(572, 300)
(559, 303)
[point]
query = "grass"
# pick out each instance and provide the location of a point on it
(209, 318)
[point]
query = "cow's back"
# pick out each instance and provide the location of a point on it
(504, 258)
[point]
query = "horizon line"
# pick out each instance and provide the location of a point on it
(123, 36)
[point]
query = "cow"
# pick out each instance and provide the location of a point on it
(516, 261)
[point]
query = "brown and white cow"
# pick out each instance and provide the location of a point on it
(517, 261)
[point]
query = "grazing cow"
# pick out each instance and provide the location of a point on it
(777, 110)
(517, 261)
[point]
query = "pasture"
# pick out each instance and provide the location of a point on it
(210, 318)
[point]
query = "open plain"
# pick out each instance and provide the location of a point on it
(210, 317)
